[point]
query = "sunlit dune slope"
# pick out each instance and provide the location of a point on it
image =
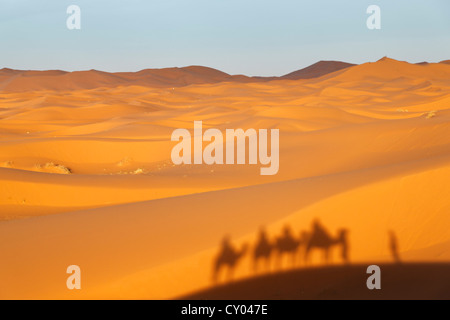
(86, 175)
(134, 250)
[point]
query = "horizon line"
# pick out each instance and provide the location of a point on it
(217, 69)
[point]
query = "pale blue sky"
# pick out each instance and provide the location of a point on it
(253, 37)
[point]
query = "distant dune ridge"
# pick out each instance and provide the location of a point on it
(26, 80)
(18, 80)
(86, 178)
(318, 69)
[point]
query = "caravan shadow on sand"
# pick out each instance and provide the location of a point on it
(284, 251)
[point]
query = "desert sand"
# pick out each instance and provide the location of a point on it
(86, 176)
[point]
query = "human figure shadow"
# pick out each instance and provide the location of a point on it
(393, 246)
(227, 259)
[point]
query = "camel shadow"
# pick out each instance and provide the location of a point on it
(227, 259)
(262, 251)
(286, 245)
(321, 239)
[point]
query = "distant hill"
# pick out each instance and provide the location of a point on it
(18, 80)
(29, 80)
(383, 69)
(318, 69)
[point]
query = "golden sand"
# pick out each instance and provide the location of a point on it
(87, 179)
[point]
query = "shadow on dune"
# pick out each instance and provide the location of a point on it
(296, 278)
(227, 258)
(398, 281)
(269, 253)
(320, 238)
(393, 246)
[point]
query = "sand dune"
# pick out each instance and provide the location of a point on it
(87, 179)
(318, 69)
(22, 81)
(29, 80)
(394, 71)
(341, 283)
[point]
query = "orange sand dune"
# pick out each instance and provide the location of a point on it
(87, 177)
(22, 81)
(318, 69)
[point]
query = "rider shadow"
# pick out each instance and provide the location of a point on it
(227, 259)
